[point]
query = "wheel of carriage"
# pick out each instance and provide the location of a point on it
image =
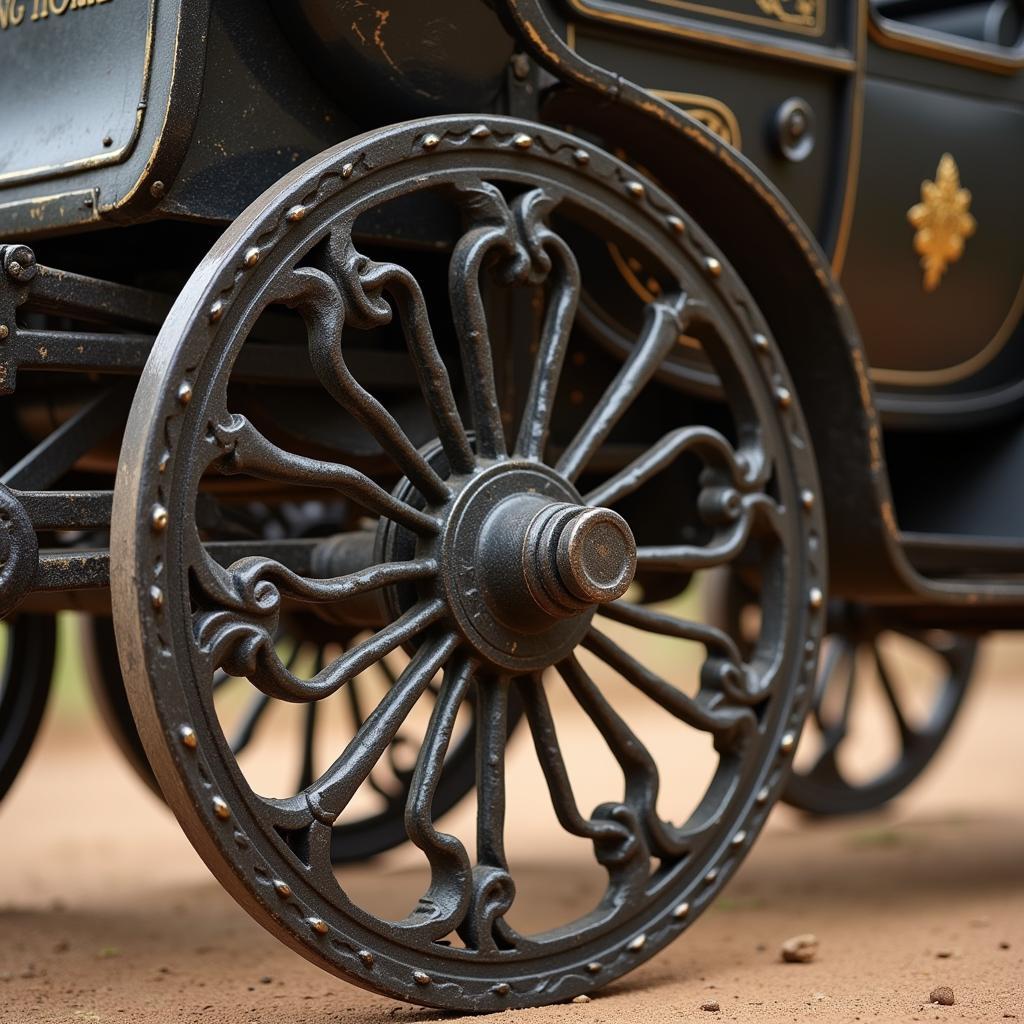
(257, 722)
(886, 696)
(27, 644)
(513, 520)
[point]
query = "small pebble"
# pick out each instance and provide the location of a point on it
(581, 998)
(266, 979)
(943, 995)
(710, 1007)
(800, 949)
(1004, 945)
(944, 954)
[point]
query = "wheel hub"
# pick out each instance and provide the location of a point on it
(525, 563)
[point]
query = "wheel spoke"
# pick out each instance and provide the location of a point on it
(324, 304)
(306, 772)
(329, 795)
(376, 279)
(559, 318)
(602, 832)
(448, 897)
(638, 766)
(906, 732)
(706, 713)
(668, 625)
(666, 321)
(662, 454)
(491, 734)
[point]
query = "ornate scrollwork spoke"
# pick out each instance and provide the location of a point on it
(708, 712)
(666, 320)
(556, 260)
(652, 621)
(248, 451)
(612, 829)
(445, 903)
(725, 545)
(638, 766)
(246, 648)
(704, 441)
(324, 305)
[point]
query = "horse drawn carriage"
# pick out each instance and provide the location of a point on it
(426, 358)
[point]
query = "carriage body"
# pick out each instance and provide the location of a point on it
(839, 182)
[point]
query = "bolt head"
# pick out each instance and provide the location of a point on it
(788, 742)
(347, 169)
(156, 598)
(252, 257)
(216, 311)
(158, 518)
(636, 189)
(815, 597)
(188, 737)
(713, 266)
(783, 397)
(522, 141)
(184, 392)
(677, 224)
(220, 808)
(681, 911)
(636, 944)
(760, 342)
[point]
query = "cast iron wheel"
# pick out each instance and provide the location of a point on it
(918, 677)
(382, 827)
(27, 643)
(490, 556)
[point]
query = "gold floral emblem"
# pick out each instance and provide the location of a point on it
(791, 12)
(942, 221)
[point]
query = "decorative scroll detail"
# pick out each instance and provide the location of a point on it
(791, 12)
(942, 221)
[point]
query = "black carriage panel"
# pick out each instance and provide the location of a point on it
(98, 138)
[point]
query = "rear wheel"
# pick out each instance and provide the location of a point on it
(501, 531)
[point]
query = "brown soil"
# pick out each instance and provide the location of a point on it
(106, 914)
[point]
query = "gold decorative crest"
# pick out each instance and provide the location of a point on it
(791, 12)
(942, 221)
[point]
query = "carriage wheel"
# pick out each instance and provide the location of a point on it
(497, 555)
(256, 727)
(27, 643)
(886, 696)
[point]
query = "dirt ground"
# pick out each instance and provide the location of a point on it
(106, 913)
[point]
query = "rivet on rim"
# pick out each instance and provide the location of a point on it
(430, 140)
(593, 967)
(581, 156)
(740, 838)
(220, 808)
(711, 876)
(635, 945)
(184, 392)
(522, 140)
(283, 889)
(5, 332)
(366, 957)
(252, 256)
(347, 169)
(681, 911)
(158, 517)
(188, 737)
(481, 131)
(760, 342)
(296, 213)
(676, 224)
(318, 925)
(635, 189)
(712, 266)
(421, 977)
(156, 598)
(501, 989)
(762, 795)
(807, 499)
(815, 597)
(784, 397)
(216, 311)
(788, 743)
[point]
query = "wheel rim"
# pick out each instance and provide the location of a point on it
(510, 617)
